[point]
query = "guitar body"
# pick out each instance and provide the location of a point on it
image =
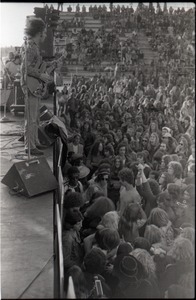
(38, 87)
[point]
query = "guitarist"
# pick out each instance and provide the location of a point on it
(35, 31)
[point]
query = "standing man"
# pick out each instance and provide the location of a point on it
(36, 32)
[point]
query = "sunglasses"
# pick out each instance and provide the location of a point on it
(105, 179)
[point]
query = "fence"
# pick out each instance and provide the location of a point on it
(58, 218)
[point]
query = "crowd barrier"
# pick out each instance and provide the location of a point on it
(58, 217)
(59, 292)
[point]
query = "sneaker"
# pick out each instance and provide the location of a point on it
(34, 152)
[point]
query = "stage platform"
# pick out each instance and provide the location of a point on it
(26, 226)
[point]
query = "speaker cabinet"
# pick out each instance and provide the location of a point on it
(31, 177)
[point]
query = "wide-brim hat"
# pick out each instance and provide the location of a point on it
(84, 171)
(128, 267)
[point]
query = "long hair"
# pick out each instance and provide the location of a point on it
(95, 147)
(34, 26)
(109, 220)
(149, 147)
(168, 179)
(188, 233)
(131, 214)
(146, 260)
(182, 250)
(158, 217)
(152, 234)
(99, 207)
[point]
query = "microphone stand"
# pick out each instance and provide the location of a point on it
(26, 99)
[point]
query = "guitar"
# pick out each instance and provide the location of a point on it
(38, 87)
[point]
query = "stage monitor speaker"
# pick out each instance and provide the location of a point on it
(30, 178)
(43, 136)
(45, 113)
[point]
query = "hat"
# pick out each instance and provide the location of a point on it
(84, 171)
(167, 134)
(167, 128)
(128, 267)
(103, 171)
(73, 199)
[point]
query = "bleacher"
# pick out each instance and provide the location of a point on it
(90, 23)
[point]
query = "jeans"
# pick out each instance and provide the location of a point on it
(32, 114)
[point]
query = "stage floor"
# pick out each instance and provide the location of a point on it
(26, 227)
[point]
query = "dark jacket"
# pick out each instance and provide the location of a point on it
(72, 249)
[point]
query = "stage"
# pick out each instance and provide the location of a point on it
(26, 225)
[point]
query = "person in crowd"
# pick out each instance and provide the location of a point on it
(79, 282)
(131, 220)
(164, 162)
(122, 152)
(128, 193)
(114, 183)
(88, 137)
(175, 170)
(144, 257)
(160, 218)
(94, 265)
(170, 142)
(100, 183)
(75, 146)
(73, 251)
(164, 180)
(96, 154)
(137, 133)
(148, 190)
(109, 220)
(153, 144)
(131, 276)
(13, 67)
(181, 257)
(71, 182)
(94, 214)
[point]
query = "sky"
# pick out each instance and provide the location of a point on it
(13, 16)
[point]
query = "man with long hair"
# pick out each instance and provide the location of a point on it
(35, 32)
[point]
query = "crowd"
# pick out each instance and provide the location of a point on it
(90, 49)
(129, 184)
(129, 174)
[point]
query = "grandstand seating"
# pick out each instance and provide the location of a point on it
(94, 24)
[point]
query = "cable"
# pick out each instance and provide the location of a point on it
(35, 277)
(4, 147)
